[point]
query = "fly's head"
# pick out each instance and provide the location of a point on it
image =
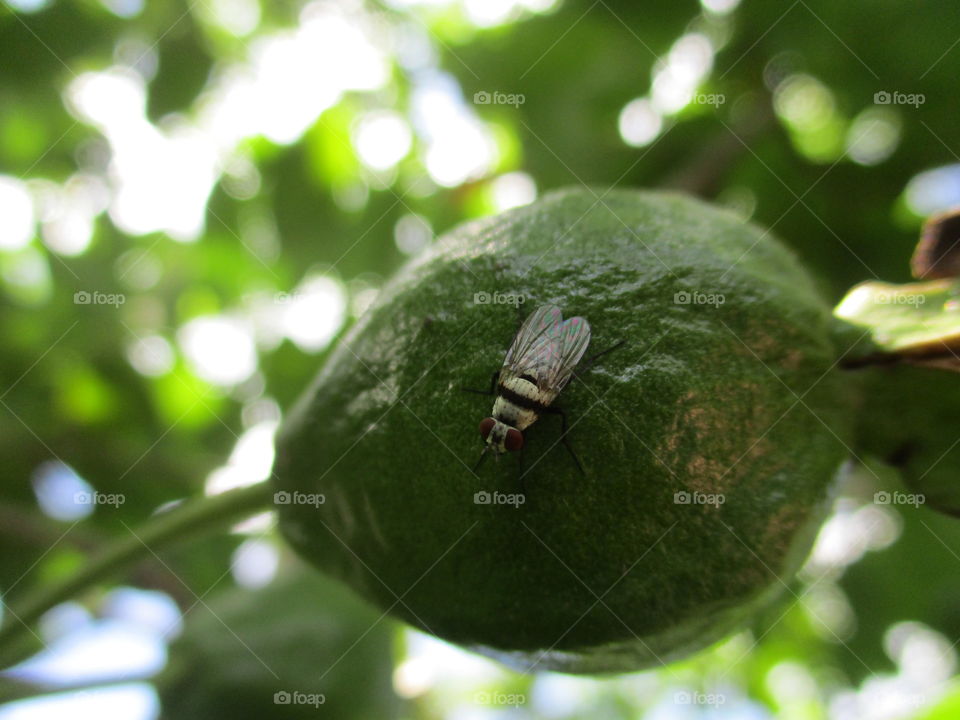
(500, 437)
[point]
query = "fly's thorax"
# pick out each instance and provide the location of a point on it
(512, 414)
(524, 386)
(525, 391)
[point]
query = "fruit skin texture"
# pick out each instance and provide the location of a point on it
(603, 572)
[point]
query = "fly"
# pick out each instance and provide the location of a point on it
(537, 367)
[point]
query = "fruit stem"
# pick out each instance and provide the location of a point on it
(931, 357)
(158, 532)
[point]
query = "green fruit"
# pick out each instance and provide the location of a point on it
(602, 572)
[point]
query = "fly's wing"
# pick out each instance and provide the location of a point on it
(574, 338)
(536, 349)
(547, 348)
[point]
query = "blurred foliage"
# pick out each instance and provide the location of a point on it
(299, 634)
(798, 81)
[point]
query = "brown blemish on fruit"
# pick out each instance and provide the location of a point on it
(710, 451)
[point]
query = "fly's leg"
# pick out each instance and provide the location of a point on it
(491, 391)
(553, 410)
(587, 363)
(483, 456)
(493, 386)
(523, 488)
(520, 319)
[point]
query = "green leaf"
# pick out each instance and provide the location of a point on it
(919, 322)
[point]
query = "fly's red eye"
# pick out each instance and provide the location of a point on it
(486, 425)
(513, 440)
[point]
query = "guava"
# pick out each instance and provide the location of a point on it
(709, 440)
